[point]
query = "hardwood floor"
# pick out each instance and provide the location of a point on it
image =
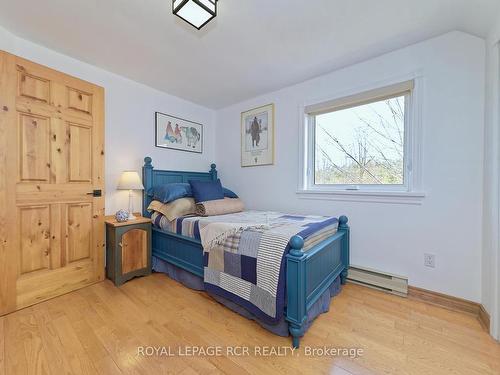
(98, 329)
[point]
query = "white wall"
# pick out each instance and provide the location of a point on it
(130, 109)
(491, 258)
(391, 237)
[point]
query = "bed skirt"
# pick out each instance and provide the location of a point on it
(322, 305)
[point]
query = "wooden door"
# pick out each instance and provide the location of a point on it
(51, 158)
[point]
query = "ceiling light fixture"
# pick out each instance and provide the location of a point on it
(195, 12)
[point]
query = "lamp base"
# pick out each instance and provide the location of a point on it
(130, 207)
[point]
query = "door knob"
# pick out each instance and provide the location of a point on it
(95, 193)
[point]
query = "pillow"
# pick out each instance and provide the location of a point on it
(219, 207)
(173, 210)
(170, 192)
(206, 190)
(229, 193)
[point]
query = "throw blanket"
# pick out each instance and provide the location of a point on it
(213, 234)
(219, 207)
(244, 256)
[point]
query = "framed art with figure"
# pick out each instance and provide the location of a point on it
(178, 134)
(257, 136)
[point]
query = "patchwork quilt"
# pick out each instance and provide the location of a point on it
(244, 256)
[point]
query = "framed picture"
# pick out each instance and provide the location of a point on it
(178, 134)
(257, 136)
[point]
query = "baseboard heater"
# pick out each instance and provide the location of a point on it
(379, 280)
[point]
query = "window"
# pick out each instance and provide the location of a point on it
(362, 142)
(361, 145)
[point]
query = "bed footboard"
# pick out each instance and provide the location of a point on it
(310, 274)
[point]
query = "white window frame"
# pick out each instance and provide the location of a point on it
(411, 191)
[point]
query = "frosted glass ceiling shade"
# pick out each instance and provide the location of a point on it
(195, 12)
(130, 180)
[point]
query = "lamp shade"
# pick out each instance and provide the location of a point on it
(130, 180)
(195, 12)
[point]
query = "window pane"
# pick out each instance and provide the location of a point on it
(361, 145)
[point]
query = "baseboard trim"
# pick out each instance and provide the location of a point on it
(484, 318)
(451, 303)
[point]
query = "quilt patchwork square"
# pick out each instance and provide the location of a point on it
(249, 269)
(232, 243)
(249, 243)
(216, 258)
(263, 299)
(235, 285)
(232, 264)
(211, 276)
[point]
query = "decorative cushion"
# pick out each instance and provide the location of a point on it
(175, 209)
(169, 192)
(219, 207)
(229, 193)
(206, 190)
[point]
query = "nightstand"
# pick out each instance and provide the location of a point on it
(128, 249)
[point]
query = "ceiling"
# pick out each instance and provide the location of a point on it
(252, 47)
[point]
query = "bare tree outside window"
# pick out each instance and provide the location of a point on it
(362, 144)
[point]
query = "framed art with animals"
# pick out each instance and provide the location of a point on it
(178, 134)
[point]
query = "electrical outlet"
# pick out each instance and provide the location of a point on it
(430, 260)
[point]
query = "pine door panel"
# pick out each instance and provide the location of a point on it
(33, 87)
(57, 237)
(79, 100)
(40, 286)
(34, 147)
(53, 134)
(79, 230)
(34, 237)
(80, 153)
(58, 152)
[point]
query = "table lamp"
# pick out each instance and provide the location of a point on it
(130, 181)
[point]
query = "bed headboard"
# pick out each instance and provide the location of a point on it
(152, 177)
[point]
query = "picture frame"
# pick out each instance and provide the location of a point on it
(257, 136)
(178, 134)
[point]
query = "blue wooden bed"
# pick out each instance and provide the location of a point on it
(308, 274)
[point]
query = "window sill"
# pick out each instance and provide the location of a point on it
(394, 197)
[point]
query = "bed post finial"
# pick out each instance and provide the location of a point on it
(343, 221)
(213, 171)
(296, 245)
(148, 161)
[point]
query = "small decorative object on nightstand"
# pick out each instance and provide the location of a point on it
(128, 249)
(121, 216)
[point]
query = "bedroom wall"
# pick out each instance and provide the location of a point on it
(491, 258)
(130, 109)
(391, 237)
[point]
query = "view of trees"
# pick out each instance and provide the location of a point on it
(361, 145)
